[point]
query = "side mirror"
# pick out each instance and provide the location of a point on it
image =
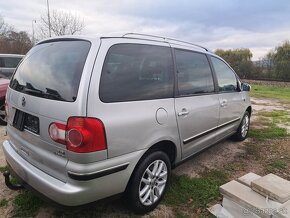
(246, 87)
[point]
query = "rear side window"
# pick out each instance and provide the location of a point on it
(194, 73)
(134, 72)
(227, 80)
(9, 62)
(52, 70)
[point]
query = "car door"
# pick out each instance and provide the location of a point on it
(230, 97)
(134, 98)
(196, 104)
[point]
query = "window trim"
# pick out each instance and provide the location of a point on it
(176, 91)
(215, 74)
(172, 94)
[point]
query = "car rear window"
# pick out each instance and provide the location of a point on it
(133, 72)
(9, 62)
(52, 70)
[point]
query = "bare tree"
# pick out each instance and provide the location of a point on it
(61, 23)
(12, 41)
(2, 24)
(15, 43)
(4, 28)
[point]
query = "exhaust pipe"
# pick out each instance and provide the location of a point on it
(9, 184)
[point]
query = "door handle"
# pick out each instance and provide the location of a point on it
(183, 112)
(224, 103)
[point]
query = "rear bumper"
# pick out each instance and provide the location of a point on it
(74, 192)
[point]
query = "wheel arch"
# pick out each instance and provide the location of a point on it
(249, 109)
(167, 146)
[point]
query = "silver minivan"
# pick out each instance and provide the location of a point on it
(92, 117)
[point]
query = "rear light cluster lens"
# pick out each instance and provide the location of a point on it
(57, 132)
(81, 135)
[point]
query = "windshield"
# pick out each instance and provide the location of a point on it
(52, 70)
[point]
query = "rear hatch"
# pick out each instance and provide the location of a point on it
(48, 86)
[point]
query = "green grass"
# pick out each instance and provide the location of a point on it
(275, 113)
(180, 214)
(234, 166)
(197, 192)
(270, 119)
(3, 202)
(3, 169)
(278, 164)
(263, 91)
(277, 116)
(26, 204)
(270, 132)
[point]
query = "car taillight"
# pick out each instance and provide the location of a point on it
(57, 132)
(81, 134)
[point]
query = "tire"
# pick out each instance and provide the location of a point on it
(149, 182)
(243, 130)
(2, 116)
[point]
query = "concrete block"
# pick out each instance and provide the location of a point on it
(220, 212)
(248, 199)
(283, 211)
(272, 186)
(248, 178)
(236, 210)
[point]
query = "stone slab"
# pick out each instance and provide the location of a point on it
(283, 211)
(236, 210)
(275, 187)
(248, 199)
(220, 212)
(248, 178)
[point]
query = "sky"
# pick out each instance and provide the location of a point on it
(259, 25)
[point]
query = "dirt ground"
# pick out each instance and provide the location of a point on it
(218, 155)
(5, 192)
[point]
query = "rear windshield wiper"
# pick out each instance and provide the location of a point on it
(28, 88)
(50, 93)
(40, 93)
(54, 94)
(32, 91)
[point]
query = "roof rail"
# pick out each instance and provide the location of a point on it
(165, 39)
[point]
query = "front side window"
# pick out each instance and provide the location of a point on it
(194, 73)
(227, 80)
(134, 72)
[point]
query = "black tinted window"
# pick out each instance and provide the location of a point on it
(52, 70)
(136, 72)
(194, 73)
(227, 80)
(9, 62)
